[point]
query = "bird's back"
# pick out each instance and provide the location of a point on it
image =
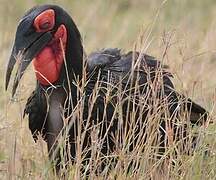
(130, 72)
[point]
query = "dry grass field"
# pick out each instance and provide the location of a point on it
(182, 33)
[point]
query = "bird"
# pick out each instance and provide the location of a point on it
(120, 90)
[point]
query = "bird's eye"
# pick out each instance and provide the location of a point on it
(45, 21)
(45, 25)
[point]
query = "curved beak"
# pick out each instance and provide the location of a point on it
(23, 52)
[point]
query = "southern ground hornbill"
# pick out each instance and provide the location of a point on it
(122, 94)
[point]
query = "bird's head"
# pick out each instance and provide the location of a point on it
(46, 35)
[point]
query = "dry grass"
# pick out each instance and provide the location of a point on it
(179, 33)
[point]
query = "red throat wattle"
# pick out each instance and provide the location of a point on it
(48, 62)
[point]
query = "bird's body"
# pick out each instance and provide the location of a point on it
(121, 91)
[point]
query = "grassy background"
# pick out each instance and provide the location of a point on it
(188, 25)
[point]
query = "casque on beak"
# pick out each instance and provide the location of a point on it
(25, 48)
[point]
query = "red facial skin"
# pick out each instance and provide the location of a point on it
(48, 62)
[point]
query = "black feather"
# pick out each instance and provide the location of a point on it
(132, 76)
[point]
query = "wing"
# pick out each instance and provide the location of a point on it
(198, 115)
(36, 110)
(134, 68)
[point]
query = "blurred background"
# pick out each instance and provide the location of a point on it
(182, 33)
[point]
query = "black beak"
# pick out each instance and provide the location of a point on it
(24, 50)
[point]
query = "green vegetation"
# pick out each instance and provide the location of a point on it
(182, 33)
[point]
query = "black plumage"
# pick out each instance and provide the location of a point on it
(134, 82)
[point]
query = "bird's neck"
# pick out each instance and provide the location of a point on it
(61, 60)
(73, 66)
